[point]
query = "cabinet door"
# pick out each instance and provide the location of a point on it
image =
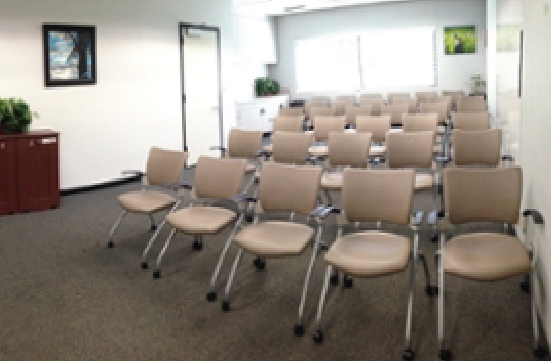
(38, 173)
(8, 183)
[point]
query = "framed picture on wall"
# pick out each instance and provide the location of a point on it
(460, 40)
(69, 55)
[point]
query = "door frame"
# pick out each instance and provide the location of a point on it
(181, 27)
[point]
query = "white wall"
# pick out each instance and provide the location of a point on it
(136, 103)
(535, 145)
(454, 71)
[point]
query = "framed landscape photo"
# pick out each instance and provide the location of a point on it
(69, 55)
(460, 40)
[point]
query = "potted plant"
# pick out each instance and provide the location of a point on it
(15, 116)
(265, 86)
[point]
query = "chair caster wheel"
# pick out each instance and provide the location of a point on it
(211, 296)
(445, 355)
(157, 274)
(298, 329)
(334, 279)
(408, 355)
(197, 245)
(540, 352)
(153, 228)
(348, 282)
(434, 238)
(110, 244)
(432, 291)
(318, 336)
(525, 286)
(226, 306)
(145, 265)
(260, 264)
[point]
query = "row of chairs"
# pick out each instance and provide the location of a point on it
(295, 188)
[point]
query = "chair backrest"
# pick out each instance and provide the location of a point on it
(347, 99)
(325, 125)
(477, 147)
(291, 147)
(368, 97)
(411, 102)
(425, 95)
(410, 150)
(321, 111)
(218, 178)
(392, 97)
(353, 111)
(165, 166)
(340, 105)
(309, 106)
(326, 101)
(288, 123)
(244, 143)
(420, 122)
(441, 108)
(291, 111)
(483, 195)
(471, 120)
(443, 99)
(455, 95)
(374, 102)
(287, 188)
(378, 195)
(378, 126)
(471, 104)
(395, 110)
(349, 149)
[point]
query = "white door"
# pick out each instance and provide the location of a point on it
(201, 89)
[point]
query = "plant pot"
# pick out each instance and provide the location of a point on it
(2, 129)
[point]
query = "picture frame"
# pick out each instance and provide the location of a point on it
(460, 40)
(65, 47)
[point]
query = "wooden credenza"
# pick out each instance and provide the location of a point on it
(29, 172)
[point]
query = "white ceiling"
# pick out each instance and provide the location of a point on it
(286, 7)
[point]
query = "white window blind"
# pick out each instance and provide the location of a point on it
(377, 59)
(327, 64)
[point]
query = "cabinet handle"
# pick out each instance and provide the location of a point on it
(2, 145)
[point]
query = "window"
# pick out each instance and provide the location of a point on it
(377, 59)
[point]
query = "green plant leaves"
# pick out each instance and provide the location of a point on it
(15, 115)
(265, 86)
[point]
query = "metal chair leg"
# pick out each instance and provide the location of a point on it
(539, 351)
(318, 335)
(299, 327)
(155, 235)
(157, 272)
(408, 353)
(328, 197)
(211, 296)
(249, 184)
(111, 242)
(444, 354)
(430, 290)
(226, 302)
(152, 220)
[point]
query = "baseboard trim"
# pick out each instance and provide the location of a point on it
(118, 182)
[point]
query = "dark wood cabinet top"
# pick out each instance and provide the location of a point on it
(31, 134)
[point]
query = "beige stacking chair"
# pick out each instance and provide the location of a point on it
(215, 180)
(456, 96)
(308, 107)
(285, 124)
(421, 96)
(393, 97)
(396, 112)
(471, 120)
(472, 148)
(377, 126)
(243, 144)
(413, 103)
(322, 127)
(163, 171)
(472, 104)
(326, 101)
(442, 108)
(283, 189)
(291, 111)
(376, 101)
(353, 111)
(342, 102)
(375, 196)
(484, 195)
(420, 122)
(346, 150)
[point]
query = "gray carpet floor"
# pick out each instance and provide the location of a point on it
(65, 296)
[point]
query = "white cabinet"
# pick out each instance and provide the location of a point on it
(259, 113)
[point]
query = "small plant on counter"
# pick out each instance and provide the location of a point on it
(265, 86)
(15, 115)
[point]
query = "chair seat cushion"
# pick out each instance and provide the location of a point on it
(146, 201)
(319, 150)
(370, 254)
(201, 220)
(331, 180)
(273, 239)
(423, 180)
(485, 257)
(377, 150)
